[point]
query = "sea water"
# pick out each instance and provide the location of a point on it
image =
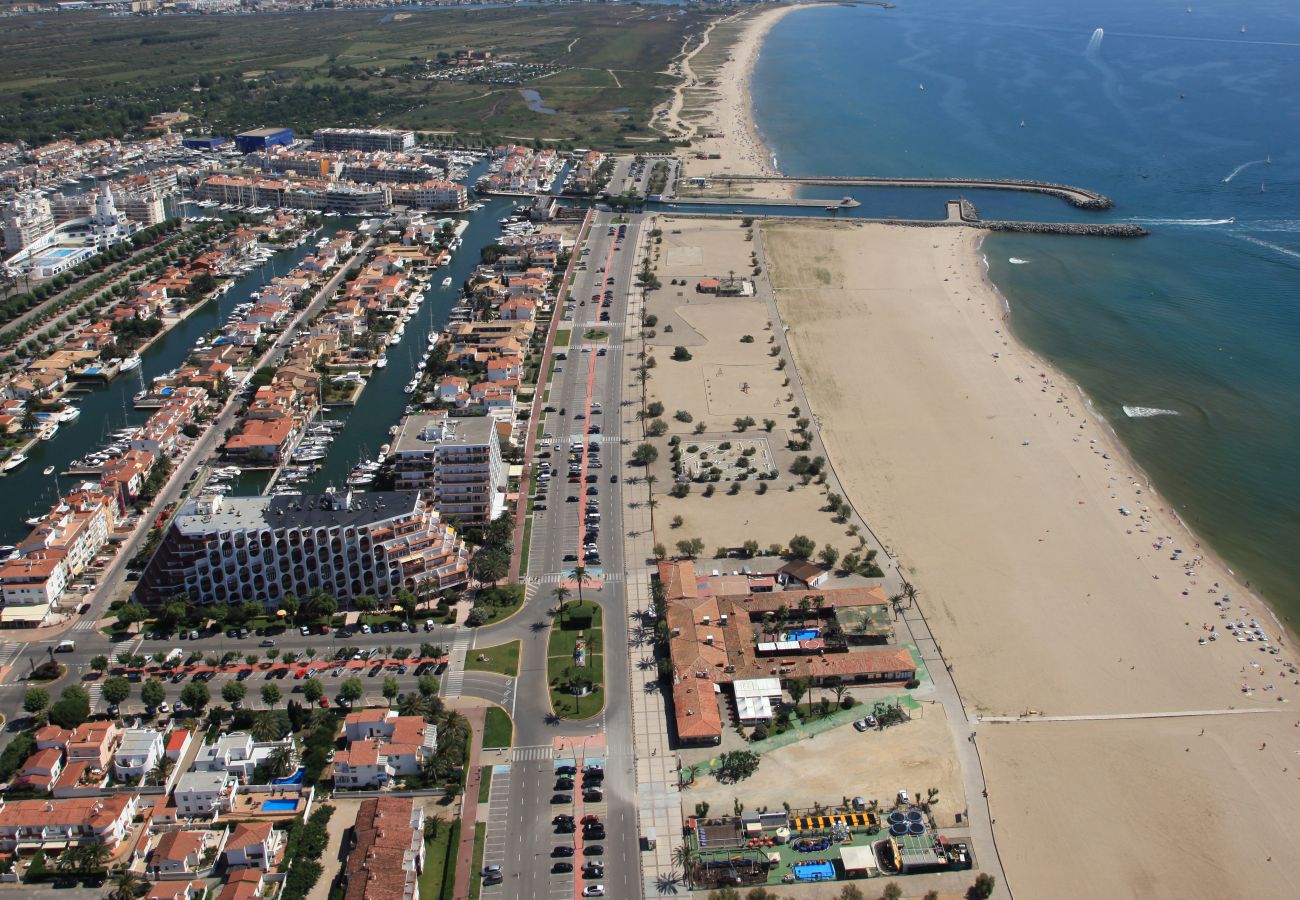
(1188, 341)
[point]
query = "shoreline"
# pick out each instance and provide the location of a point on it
(1287, 636)
(1077, 631)
(739, 144)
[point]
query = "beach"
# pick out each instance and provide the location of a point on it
(1047, 571)
(716, 83)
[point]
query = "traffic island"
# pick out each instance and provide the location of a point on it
(575, 667)
(502, 659)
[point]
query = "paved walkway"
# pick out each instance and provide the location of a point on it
(469, 800)
(345, 816)
(659, 807)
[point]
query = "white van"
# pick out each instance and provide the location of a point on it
(65, 647)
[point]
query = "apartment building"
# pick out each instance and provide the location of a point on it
(364, 139)
(31, 825)
(222, 549)
(457, 459)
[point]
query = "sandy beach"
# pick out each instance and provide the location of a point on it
(719, 76)
(1005, 500)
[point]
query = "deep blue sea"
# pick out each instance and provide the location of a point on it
(1188, 120)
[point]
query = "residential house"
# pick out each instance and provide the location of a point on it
(138, 754)
(387, 855)
(204, 794)
(255, 844)
(32, 825)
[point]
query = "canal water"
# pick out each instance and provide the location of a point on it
(106, 408)
(383, 401)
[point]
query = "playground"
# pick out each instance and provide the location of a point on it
(729, 458)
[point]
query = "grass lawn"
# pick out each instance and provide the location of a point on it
(579, 619)
(439, 861)
(498, 732)
(562, 337)
(528, 541)
(502, 659)
(475, 875)
(485, 782)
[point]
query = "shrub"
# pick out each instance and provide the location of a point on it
(681, 354)
(913, 684)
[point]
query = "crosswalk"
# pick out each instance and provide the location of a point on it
(96, 692)
(557, 577)
(524, 754)
(454, 678)
(9, 651)
(85, 624)
(125, 649)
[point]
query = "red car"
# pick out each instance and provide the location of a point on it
(591, 819)
(325, 702)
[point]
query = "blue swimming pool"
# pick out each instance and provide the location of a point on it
(804, 634)
(279, 805)
(814, 871)
(295, 778)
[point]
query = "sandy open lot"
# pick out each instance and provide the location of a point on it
(982, 471)
(724, 380)
(844, 762)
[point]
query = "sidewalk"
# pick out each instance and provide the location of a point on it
(659, 807)
(469, 800)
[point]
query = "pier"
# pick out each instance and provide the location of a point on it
(1078, 197)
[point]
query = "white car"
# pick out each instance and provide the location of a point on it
(594, 890)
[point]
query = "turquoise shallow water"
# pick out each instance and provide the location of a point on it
(1190, 125)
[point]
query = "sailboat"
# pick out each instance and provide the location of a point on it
(923, 85)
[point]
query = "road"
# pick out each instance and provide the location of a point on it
(525, 787)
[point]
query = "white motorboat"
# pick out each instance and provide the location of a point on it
(130, 364)
(13, 462)
(382, 362)
(446, 282)
(68, 414)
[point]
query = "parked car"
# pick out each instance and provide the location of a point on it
(594, 890)
(561, 867)
(562, 850)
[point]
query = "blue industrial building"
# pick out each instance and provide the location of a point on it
(261, 138)
(211, 142)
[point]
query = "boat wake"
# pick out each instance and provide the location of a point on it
(1147, 412)
(1269, 245)
(1187, 222)
(1017, 261)
(1243, 167)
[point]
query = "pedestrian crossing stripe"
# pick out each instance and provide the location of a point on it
(557, 577)
(9, 651)
(85, 624)
(454, 679)
(523, 754)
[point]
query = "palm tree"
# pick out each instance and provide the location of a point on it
(685, 856)
(158, 774)
(279, 761)
(582, 576)
(412, 705)
(125, 885)
(561, 594)
(909, 591)
(896, 604)
(266, 727)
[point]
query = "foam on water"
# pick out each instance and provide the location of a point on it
(1276, 248)
(1188, 222)
(1017, 261)
(1147, 412)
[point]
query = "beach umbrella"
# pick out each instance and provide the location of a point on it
(281, 613)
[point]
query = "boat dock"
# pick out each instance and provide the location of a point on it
(1081, 198)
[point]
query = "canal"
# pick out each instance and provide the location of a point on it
(106, 408)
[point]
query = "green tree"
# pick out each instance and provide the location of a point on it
(490, 564)
(313, 690)
(583, 577)
(797, 688)
(737, 765)
(35, 700)
(233, 692)
(352, 689)
(691, 548)
(427, 685)
(270, 695)
(72, 709)
(829, 555)
(126, 885)
(195, 695)
(116, 690)
(99, 663)
(645, 454)
(152, 693)
(391, 688)
(130, 614)
(802, 547)
(982, 889)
